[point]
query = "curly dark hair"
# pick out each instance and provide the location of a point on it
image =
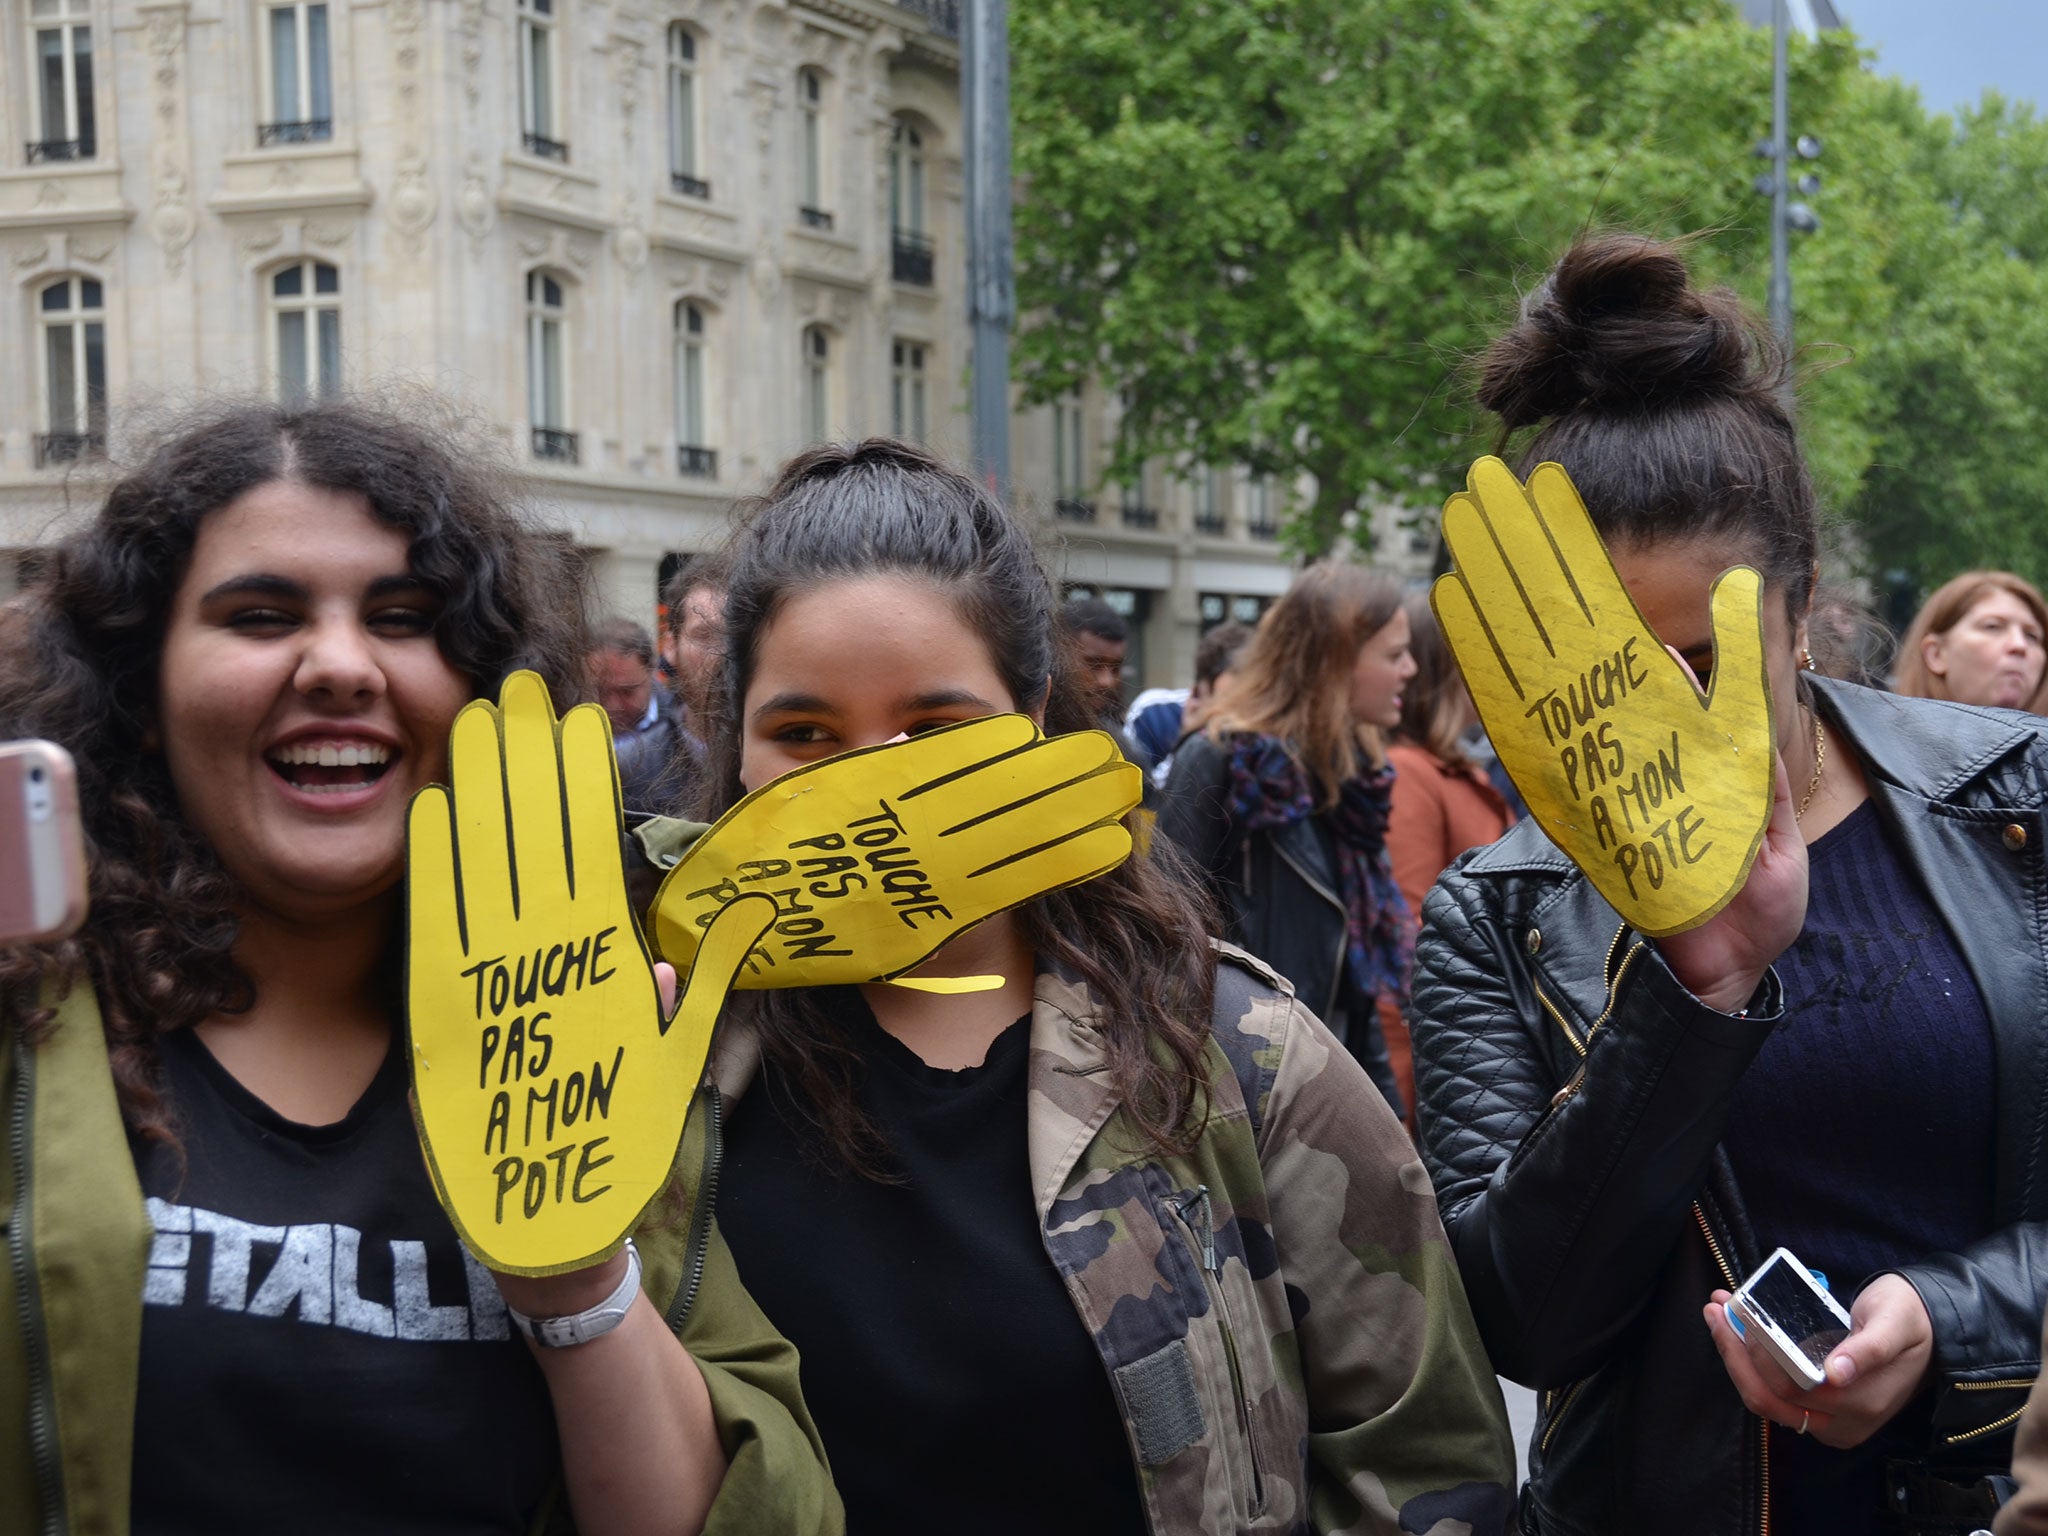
(158, 945)
(1136, 936)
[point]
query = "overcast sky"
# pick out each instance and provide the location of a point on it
(1953, 49)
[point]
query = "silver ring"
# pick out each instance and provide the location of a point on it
(1805, 1419)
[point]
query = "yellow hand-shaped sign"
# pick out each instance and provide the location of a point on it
(877, 857)
(1659, 794)
(549, 1092)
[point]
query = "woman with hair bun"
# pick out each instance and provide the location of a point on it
(1850, 1060)
(1979, 640)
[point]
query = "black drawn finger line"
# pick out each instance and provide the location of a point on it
(1562, 564)
(562, 800)
(1520, 591)
(1037, 794)
(960, 773)
(1024, 853)
(511, 847)
(1500, 656)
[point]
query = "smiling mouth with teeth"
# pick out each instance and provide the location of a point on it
(330, 767)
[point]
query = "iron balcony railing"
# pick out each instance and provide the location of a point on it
(60, 149)
(1138, 516)
(913, 258)
(1265, 526)
(1212, 524)
(702, 462)
(68, 447)
(689, 186)
(1073, 510)
(310, 131)
(555, 444)
(815, 218)
(546, 148)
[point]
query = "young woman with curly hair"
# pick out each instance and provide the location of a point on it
(232, 1291)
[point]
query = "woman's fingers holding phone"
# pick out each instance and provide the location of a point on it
(1872, 1374)
(1766, 1390)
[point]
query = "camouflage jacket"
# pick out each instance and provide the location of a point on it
(1277, 1310)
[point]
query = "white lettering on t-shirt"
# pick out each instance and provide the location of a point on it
(312, 1273)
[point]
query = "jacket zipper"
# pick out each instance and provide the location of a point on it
(1564, 1095)
(696, 1254)
(1337, 977)
(1997, 1424)
(1204, 1235)
(1556, 1414)
(42, 1407)
(1763, 1424)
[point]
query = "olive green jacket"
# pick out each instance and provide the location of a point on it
(77, 1237)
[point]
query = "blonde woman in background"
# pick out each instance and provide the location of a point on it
(1978, 640)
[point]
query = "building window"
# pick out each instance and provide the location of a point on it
(539, 112)
(810, 105)
(305, 305)
(298, 79)
(1206, 498)
(912, 243)
(547, 349)
(1069, 469)
(907, 394)
(693, 457)
(60, 38)
(73, 317)
(817, 384)
(685, 173)
(1259, 522)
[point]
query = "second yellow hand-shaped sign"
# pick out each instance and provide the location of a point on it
(1658, 792)
(549, 1090)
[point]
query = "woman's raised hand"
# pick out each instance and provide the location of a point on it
(1670, 798)
(549, 1084)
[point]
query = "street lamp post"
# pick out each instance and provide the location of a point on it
(991, 277)
(1779, 186)
(1781, 266)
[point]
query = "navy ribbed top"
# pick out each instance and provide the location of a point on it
(1863, 1134)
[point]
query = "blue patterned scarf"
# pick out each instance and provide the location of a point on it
(1270, 788)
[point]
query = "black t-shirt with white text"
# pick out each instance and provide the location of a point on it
(320, 1353)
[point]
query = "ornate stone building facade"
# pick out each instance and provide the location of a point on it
(663, 245)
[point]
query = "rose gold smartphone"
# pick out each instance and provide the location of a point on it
(42, 849)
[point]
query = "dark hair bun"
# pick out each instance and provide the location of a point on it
(1617, 327)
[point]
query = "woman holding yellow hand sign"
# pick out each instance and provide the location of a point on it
(234, 1301)
(1808, 1015)
(1122, 1241)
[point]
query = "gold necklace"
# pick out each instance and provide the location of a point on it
(1820, 758)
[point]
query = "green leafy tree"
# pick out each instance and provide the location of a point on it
(1282, 229)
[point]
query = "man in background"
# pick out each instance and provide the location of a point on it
(693, 638)
(1099, 642)
(656, 768)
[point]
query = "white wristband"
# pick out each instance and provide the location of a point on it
(592, 1323)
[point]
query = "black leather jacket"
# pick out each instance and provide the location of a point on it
(1279, 890)
(1573, 1097)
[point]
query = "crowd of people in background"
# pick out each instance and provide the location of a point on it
(1223, 1211)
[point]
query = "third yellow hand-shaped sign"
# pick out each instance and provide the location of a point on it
(1659, 794)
